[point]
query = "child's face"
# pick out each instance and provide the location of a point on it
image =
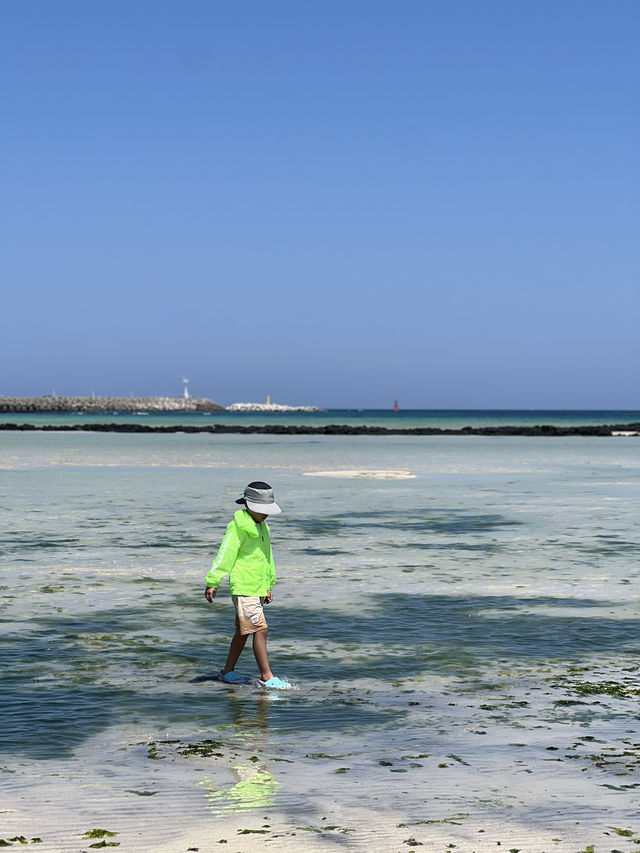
(259, 517)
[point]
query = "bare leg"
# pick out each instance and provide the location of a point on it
(235, 649)
(260, 653)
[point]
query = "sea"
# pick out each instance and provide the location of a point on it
(404, 419)
(457, 614)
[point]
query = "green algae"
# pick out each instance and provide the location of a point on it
(317, 755)
(454, 820)
(99, 833)
(458, 759)
(617, 689)
(205, 749)
(625, 689)
(152, 752)
(328, 828)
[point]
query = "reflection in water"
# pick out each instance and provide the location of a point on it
(256, 786)
(249, 715)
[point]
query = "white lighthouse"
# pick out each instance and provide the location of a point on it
(185, 382)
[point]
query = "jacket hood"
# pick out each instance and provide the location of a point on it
(246, 523)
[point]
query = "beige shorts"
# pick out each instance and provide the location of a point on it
(250, 613)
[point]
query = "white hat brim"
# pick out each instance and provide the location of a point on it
(265, 509)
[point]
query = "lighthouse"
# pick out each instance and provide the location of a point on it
(395, 406)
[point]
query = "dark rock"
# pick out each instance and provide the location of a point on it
(543, 430)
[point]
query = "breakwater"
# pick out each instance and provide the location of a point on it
(267, 408)
(335, 429)
(107, 405)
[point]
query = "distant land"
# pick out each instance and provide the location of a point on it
(107, 405)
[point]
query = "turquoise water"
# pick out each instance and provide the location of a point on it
(411, 418)
(443, 630)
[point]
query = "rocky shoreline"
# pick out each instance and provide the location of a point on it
(334, 429)
(107, 405)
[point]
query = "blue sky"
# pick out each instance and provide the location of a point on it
(337, 203)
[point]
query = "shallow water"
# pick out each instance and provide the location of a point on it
(405, 418)
(447, 636)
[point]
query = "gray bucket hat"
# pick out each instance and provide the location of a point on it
(259, 498)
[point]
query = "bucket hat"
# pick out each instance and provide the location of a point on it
(259, 497)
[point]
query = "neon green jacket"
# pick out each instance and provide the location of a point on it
(245, 555)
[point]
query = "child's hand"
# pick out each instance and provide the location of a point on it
(210, 593)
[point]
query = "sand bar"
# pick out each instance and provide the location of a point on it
(363, 474)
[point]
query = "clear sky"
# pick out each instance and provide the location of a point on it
(337, 202)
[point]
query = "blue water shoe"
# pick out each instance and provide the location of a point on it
(275, 682)
(230, 677)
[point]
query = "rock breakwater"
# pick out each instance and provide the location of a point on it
(106, 405)
(335, 429)
(270, 407)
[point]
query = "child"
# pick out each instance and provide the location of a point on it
(245, 555)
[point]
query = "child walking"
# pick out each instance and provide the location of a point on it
(245, 555)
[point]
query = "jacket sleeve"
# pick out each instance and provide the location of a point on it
(272, 566)
(226, 556)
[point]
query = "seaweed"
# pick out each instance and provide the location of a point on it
(616, 689)
(152, 751)
(316, 755)
(454, 820)
(205, 749)
(99, 833)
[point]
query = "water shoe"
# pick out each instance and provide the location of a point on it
(275, 682)
(230, 677)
